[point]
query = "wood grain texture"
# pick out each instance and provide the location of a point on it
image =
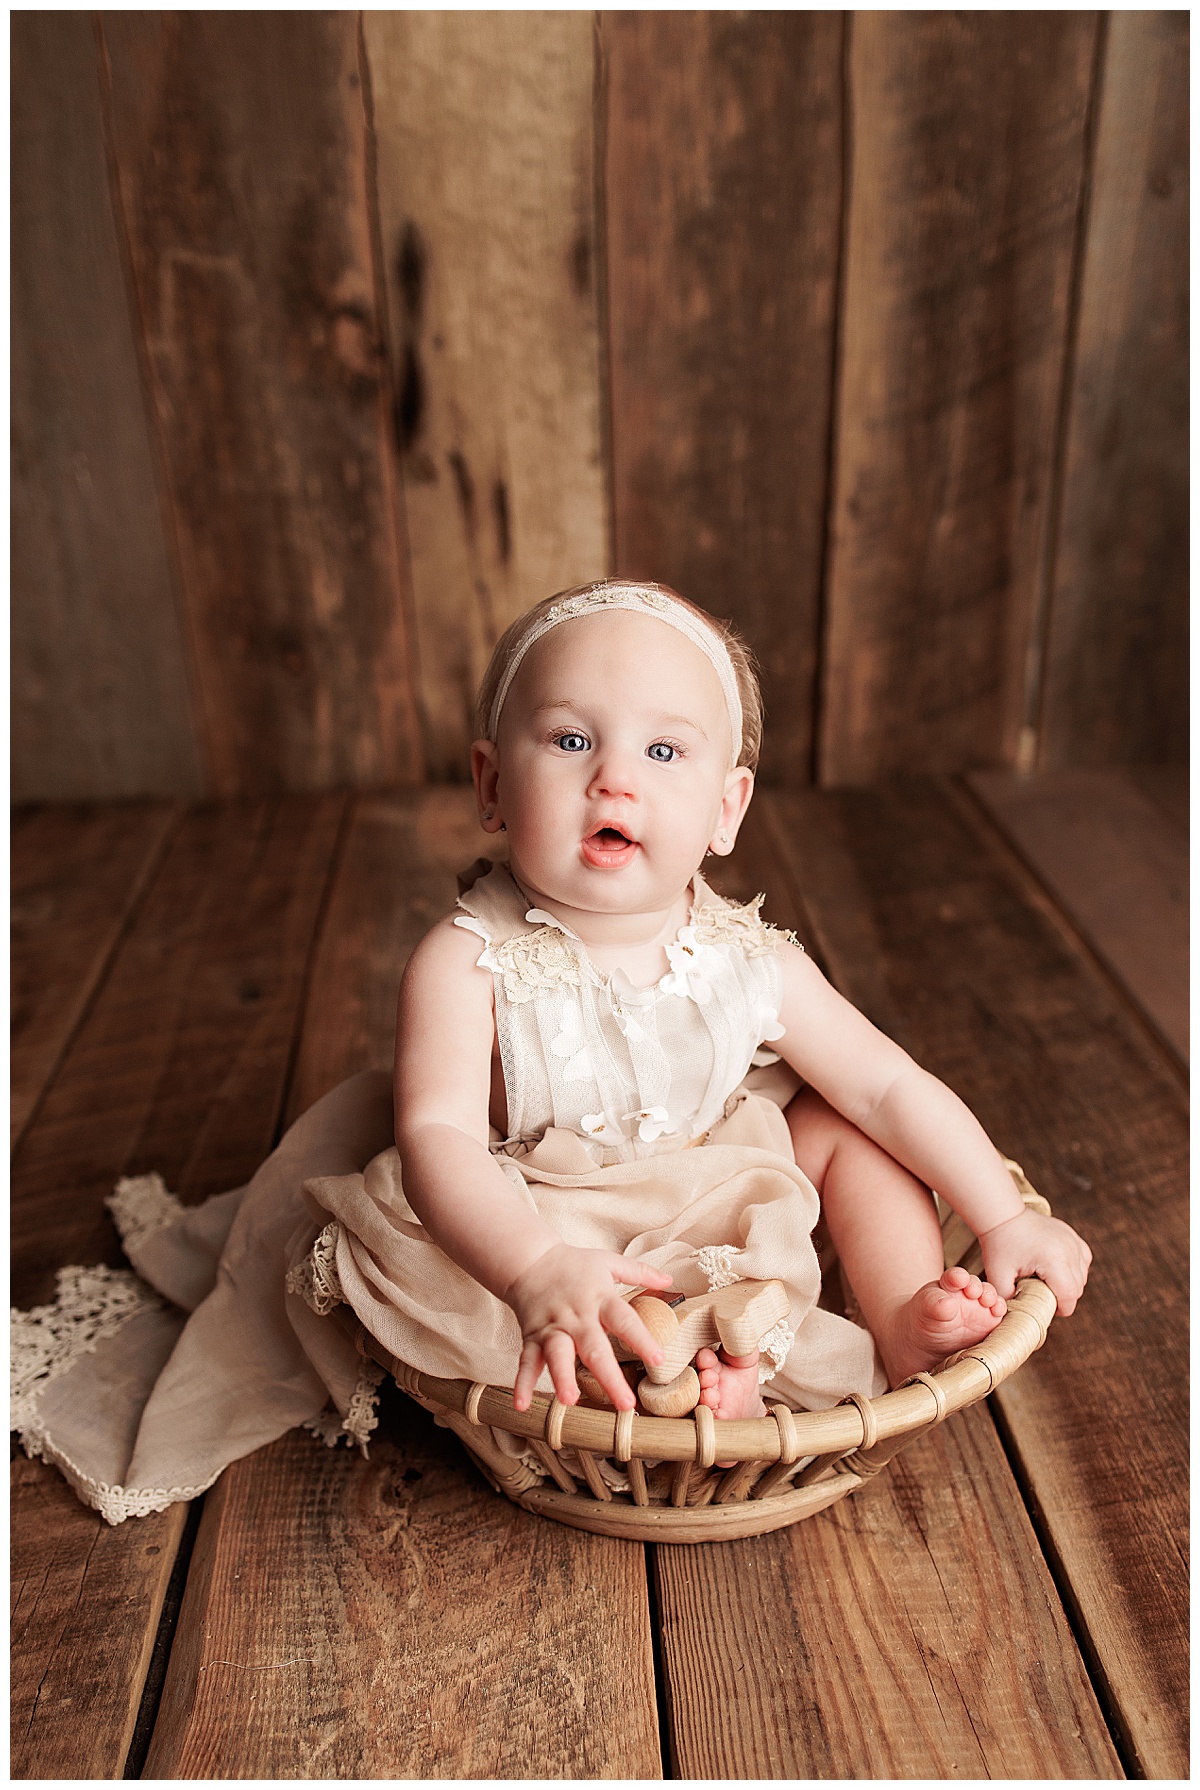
(911, 1632)
(395, 1618)
(484, 133)
(440, 1632)
(100, 701)
(397, 877)
(1116, 678)
(85, 1605)
(1119, 867)
(967, 157)
(180, 1065)
(240, 145)
(723, 206)
(932, 928)
(77, 875)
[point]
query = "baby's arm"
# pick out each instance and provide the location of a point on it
(565, 1298)
(916, 1119)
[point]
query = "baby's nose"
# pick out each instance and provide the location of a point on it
(614, 774)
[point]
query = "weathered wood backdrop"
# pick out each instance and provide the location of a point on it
(338, 339)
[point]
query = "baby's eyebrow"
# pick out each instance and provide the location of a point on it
(577, 707)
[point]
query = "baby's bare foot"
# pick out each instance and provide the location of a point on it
(948, 1314)
(729, 1386)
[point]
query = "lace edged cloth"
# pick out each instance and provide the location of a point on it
(90, 1306)
(93, 1304)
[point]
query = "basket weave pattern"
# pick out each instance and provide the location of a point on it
(656, 1478)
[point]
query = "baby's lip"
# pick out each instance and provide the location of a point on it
(608, 845)
(606, 827)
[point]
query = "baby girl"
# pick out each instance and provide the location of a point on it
(607, 1078)
(582, 1091)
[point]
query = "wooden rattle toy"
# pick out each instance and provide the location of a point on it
(735, 1318)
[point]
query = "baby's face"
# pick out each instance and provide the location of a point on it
(613, 764)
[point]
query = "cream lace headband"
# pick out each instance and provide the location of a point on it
(645, 600)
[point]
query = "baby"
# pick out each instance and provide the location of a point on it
(576, 1103)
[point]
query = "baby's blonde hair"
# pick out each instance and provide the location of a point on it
(740, 658)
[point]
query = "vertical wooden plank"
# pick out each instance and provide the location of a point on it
(723, 219)
(398, 879)
(99, 688)
(968, 140)
(240, 143)
(394, 1617)
(180, 1066)
(484, 133)
(77, 874)
(1116, 679)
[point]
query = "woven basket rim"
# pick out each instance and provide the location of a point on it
(919, 1402)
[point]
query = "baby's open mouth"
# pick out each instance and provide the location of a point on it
(608, 846)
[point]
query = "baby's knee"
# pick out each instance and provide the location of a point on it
(819, 1133)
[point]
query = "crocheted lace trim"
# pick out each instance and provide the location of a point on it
(773, 1349)
(715, 1262)
(741, 924)
(532, 963)
(141, 1205)
(92, 1304)
(315, 1279)
(362, 1415)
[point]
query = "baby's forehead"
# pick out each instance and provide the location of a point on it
(629, 644)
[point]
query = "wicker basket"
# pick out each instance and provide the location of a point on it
(655, 1478)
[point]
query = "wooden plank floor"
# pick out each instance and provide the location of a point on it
(1006, 1601)
(1102, 843)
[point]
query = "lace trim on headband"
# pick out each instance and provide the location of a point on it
(634, 597)
(92, 1304)
(141, 1205)
(315, 1279)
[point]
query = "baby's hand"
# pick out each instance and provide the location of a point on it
(565, 1303)
(1029, 1246)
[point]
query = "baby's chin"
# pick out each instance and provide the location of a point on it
(634, 887)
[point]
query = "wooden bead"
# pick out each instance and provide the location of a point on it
(676, 1399)
(657, 1316)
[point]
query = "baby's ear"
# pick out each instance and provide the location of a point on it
(485, 769)
(739, 787)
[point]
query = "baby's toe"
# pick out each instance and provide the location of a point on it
(954, 1280)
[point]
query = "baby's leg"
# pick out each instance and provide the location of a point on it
(884, 1227)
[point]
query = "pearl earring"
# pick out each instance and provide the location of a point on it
(488, 813)
(724, 838)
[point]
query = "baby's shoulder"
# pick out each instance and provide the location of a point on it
(446, 953)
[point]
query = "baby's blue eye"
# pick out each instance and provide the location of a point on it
(661, 752)
(572, 742)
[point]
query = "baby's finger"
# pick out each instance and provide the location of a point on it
(528, 1369)
(560, 1359)
(632, 1273)
(621, 1320)
(595, 1351)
